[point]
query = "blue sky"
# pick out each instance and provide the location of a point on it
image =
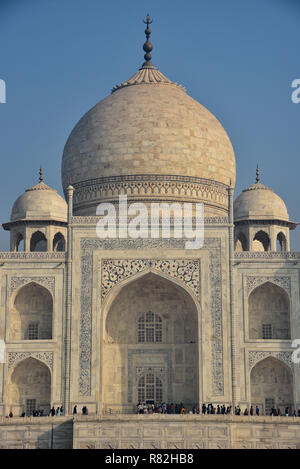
(237, 57)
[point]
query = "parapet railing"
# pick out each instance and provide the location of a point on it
(9, 255)
(244, 255)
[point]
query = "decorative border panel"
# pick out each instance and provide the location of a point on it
(256, 356)
(48, 282)
(89, 245)
(185, 270)
(16, 357)
(254, 281)
(151, 187)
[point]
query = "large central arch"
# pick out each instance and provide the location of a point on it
(150, 330)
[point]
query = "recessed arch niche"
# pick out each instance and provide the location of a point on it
(170, 355)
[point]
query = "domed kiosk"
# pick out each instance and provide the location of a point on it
(150, 140)
(261, 219)
(38, 220)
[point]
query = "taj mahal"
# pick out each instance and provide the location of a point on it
(106, 323)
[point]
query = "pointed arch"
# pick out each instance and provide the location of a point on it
(177, 353)
(31, 313)
(115, 290)
(271, 382)
(19, 243)
(269, 312)
(38, 242)
(59, 243)
(29, 387)
(281, 242)
(241, 243)
(261, 241)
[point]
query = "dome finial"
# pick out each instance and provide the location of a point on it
(147, 47)
(41, 178)
(257, 174)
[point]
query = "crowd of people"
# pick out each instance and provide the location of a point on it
(160, 408)
(52, 413)
(219, 409)
(166, 408)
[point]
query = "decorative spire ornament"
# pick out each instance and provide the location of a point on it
(41, 178)
(257, 174)
(147, 47)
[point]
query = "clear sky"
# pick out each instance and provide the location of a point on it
(237, 57)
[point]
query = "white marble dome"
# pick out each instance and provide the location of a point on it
(259, 202)
(40, 202)
(149, 127)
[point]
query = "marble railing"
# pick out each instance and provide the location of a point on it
(60, 256)
(267, 255)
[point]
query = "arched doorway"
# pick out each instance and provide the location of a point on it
(38, 242)
(241, 242)
(59, 244)
(269, 313)
(150, 346)
(29, 387)
(31, 314)
(281, 244)
(272, 385)
(261, 241)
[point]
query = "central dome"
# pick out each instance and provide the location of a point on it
(149, 140)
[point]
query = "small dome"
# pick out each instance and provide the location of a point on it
(40, 202)
(259, 202)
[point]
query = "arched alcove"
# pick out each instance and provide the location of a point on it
(151, 328)
(241, 242)
(38, 242)
(31, 314)
(19, 244)
(269, 313)
(59, 244)
(271, 385)
(29, 387)
(281, 244)
(261, 241)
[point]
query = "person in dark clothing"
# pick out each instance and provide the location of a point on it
(218, 409)
(223, 410)
(75, 410)
(23, 414)
(52, 412)
(10, 414)
(246, 411)
(204, 409)
(257, 410)
(251, 410)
